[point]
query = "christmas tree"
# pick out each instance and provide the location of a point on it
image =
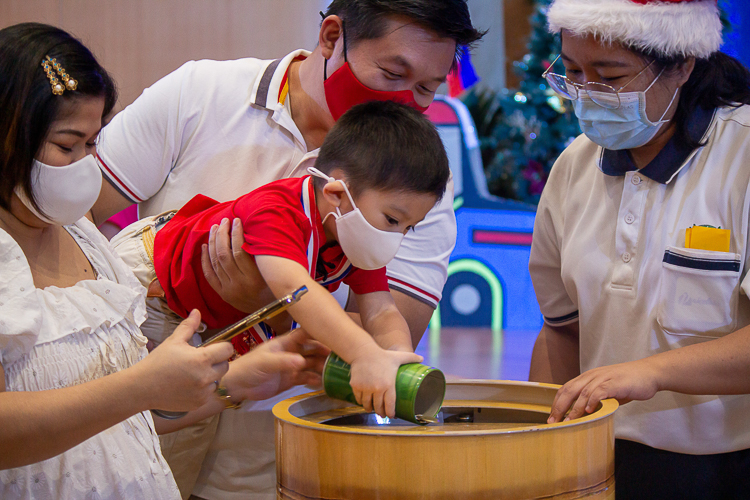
(523, 131)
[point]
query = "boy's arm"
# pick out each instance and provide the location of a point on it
(318, 312)
(231, 271)
(382, 319)
(373, 369)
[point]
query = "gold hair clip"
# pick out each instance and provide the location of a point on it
(57, 87)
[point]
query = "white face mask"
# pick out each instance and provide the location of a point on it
(365, 246)
(626, 127)
(66, 193)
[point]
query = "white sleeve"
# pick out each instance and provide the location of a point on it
(20, 314)
(420, 268)
(138, 148)
(545, 261)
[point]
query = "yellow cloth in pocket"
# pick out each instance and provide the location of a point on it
(707, 238)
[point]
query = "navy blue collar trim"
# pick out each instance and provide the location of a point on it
(669, 160)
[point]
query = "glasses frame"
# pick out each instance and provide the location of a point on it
(547, 75)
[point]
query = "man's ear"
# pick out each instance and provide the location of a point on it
(330, 32)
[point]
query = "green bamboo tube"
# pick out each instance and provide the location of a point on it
(420, 389)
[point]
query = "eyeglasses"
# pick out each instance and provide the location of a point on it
(602, 94)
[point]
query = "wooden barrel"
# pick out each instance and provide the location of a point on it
(492, 443)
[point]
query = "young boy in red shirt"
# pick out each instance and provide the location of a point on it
(380, 170)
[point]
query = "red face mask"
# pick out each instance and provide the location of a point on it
(343, 90)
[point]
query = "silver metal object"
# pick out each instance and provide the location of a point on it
(241, 326)
(426, 420)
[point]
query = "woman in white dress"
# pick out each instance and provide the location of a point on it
(75, 382)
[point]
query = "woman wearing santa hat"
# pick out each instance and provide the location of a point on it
(640, 248)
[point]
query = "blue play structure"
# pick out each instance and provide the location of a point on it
(737, 38)
(488, 277)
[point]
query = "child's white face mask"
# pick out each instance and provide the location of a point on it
(366, 246)
(64, 193)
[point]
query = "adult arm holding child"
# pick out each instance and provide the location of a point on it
(231, 271)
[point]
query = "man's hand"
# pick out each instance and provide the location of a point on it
(232, 272)
(636, 380)
(277, 365)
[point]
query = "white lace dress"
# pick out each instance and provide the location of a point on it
(60, 337)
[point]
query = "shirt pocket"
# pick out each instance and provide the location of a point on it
(699, 292)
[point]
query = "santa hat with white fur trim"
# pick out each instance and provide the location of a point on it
(667, 28)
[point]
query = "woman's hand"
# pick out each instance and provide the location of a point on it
(275, 366)
(180, 377)
(635, 380)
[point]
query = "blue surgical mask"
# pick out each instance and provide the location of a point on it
(626, 127)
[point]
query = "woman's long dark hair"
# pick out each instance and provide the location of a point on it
(27, 105)
(720, 80)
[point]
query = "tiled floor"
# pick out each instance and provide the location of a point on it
(477, 353)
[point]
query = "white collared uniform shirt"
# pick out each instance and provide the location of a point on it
(609, 252)
(218, 128)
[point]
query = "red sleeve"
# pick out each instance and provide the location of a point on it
(274, 227)
(177, 253)
(273, 222)
(362, 282)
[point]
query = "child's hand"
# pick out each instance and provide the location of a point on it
(373, 378)
(636, 380)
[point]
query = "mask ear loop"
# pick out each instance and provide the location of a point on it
(652, 83)
(317, 173)
(674, 96)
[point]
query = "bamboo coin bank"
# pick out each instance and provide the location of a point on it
(491, 441)
(420, 389)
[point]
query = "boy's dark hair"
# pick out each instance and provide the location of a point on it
(366, 19)
(28, 105)
(386, 146)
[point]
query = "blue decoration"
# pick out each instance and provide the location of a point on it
(488, 277)
(737, 35)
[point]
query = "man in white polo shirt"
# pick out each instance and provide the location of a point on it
(223, 128)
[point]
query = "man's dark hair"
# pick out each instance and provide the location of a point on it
(28, 106)
(386, 146)
(366, 19)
